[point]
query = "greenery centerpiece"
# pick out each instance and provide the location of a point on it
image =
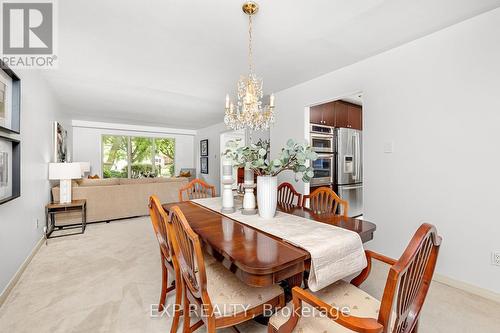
(294, 157)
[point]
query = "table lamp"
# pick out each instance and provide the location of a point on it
(64, 172)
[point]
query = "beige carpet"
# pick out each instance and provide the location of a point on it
(107, 279)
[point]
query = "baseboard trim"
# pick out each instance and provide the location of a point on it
(12, 283)
(478, 291)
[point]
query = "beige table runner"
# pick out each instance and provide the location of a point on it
(335, 252)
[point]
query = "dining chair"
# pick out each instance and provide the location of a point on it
(196, 189)
(287, 195)
(325, 200)
(218, 297)
(399, 310)
(159, 219)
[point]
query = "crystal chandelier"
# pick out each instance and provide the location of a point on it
(249, 111)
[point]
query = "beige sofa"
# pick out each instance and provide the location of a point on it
(114, 198)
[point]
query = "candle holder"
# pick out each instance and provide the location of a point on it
(227, 192)
(249, 197)
(249, 207)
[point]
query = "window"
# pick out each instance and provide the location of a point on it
(114, 156)
(164, 157)
(141, 157)
(137, 157)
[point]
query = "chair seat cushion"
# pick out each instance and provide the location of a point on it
(340, 295)
(230, 296)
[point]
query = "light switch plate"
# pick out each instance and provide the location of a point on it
(495, 258)
(388, 147)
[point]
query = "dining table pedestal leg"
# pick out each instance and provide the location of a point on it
(288, 284)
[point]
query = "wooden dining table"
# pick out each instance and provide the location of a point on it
(257, 258)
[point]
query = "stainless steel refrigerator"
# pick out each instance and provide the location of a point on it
(349, 174)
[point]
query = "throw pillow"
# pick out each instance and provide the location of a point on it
(185, 174)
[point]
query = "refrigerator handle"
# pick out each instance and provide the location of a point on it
(355, 154)
(349, 187)
(358, 157)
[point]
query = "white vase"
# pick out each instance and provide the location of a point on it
(267, 196)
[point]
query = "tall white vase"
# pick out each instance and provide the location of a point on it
(267, 196)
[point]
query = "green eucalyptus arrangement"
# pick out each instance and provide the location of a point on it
(293, 156)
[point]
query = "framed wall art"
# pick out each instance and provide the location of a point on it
(10, 169)
(10, 100)
(204, 147)
(204, 165)
(60, 143)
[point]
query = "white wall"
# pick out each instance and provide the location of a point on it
(212, 133)
(18, 232)
(438, 100)
(87, 142)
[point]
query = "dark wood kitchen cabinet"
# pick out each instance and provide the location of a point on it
(329, 114)
(341, 114)
(348, 115)
(355, 116)
(323, 114)
(337, 114)
(316, 115)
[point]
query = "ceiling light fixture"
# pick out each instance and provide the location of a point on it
(249, 111)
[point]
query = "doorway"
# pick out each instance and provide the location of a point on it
(336, 134)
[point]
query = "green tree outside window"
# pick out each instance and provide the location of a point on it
(137, 157)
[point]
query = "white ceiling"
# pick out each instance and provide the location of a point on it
(170, 62)
(354, 99)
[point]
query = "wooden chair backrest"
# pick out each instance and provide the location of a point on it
(159, 220)
(324, 200)
(188, 254)
(196, 189)
(287, 195)
(409, 279)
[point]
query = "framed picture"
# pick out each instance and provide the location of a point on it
(10, 100)
(204, 147)
(10, 169)
(60, 143)
(204, 165)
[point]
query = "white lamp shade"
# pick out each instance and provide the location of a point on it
(58, 171)
(85, 166)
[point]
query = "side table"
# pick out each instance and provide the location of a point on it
(54, 208)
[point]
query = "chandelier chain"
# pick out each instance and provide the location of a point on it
(250, 50)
